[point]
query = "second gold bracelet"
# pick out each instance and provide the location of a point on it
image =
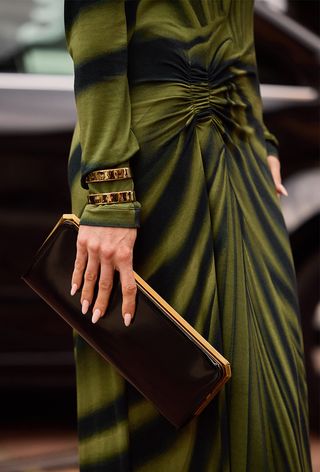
(112, 197)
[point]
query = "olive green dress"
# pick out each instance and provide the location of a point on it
(171, 89)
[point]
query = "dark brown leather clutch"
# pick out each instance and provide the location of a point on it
(160, 354)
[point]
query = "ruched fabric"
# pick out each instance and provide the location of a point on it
(212, 239)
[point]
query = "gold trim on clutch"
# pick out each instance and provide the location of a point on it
(112, 197)
(177, 317)
(191, 332)
(104, 175)
(65, 217)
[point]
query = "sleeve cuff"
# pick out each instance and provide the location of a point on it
(125, 215)
(272, 149)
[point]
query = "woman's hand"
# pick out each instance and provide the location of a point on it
(105, 249)
(274, 165)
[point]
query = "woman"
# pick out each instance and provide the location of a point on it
(169, 90)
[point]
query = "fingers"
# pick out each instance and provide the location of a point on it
(79, 267)
(101, 250)
(274, 165)
(281, 189)
(105, 287)
(90, 279)
(128, 286)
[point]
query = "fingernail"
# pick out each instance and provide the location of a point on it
(127, 319)
(285, 191)
(85, 306)
(73, 289)
(96, 315)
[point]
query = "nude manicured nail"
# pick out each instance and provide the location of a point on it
(85, 306)
(96, 315)
(284, 190)
(73, 289)
(127, 319)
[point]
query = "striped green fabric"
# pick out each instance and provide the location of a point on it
(170, 87)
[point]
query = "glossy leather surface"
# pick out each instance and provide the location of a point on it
(154, 354)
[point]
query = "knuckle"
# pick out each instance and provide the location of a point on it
(90, 276)
(130, 288)
(105, 285)
(107, 253)
(93, 247)
(124, 254)
(81, 243)
(78, 265)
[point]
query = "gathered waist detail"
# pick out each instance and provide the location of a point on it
(211, 96)
(207, 101)
(182, 85)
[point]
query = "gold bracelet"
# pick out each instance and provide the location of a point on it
(112, 197)
(109, 174)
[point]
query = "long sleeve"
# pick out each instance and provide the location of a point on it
(96, 36)
(272, 143)
(247, 38)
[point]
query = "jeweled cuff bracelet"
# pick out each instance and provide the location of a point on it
(105, 175)
(112, 197)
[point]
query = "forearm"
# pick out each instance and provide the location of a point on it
(96, 37)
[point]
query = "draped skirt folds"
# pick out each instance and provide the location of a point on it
(214, 244)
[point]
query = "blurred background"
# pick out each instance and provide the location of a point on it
(37, 115)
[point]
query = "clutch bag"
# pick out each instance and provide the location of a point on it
(160, 354)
